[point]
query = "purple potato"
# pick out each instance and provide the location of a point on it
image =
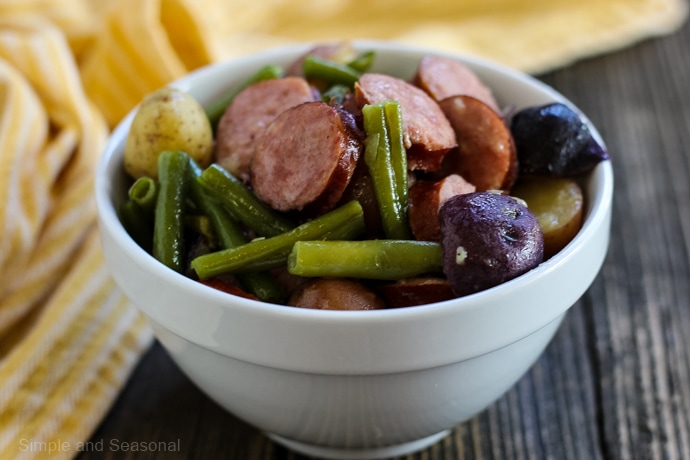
(552, 140)
(487, 239)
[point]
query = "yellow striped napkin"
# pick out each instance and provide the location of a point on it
(67, 337)
(71, 69)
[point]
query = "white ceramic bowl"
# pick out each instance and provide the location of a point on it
(343, 384)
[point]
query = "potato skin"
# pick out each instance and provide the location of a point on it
(558, 204)
(167, 119)
(553, 140)
(487, 239)
(410, 292)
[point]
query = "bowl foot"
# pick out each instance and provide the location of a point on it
(372, 453)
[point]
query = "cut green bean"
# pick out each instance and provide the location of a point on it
(137, 223)
(242, 204)
(232, 260)
(263, 286)
(200, 224)
(377, 156)
(349, 230)
(168, 227)
(215, 111)
(227, 229)
(137, 213)
(259, 283)
(362, 62)
(335, 94)
(144, 192)
(394, 124)
(329, 71)
(230, 235)
(369, 259)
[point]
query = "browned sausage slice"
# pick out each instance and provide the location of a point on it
(306, 158)
(251, 111)
(425, 199)
(443, 77)
(486, 155)
(225, 286)
(337, 294)
(416, 291)
(427, 134)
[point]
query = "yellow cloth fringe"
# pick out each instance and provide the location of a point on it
(71, 69)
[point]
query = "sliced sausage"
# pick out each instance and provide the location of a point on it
(427, 134)
(443, 77)
(306, 157)
(337, 294)
(416, 291)
(486, 155)
(227, 287)
(254, 108)
(425, 199)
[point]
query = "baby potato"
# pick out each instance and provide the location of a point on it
(553, 140)
(167, 119)
(487, 239)
(557, 203)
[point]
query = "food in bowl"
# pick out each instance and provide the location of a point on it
(356, 384)
(417, 175)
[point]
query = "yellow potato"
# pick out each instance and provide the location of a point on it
(167, 119)
(558, 204)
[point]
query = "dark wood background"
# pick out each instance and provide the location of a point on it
(614, 383)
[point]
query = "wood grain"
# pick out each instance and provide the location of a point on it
(614, 383)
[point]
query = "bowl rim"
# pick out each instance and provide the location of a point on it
(598, 214)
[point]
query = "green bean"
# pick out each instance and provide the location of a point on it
(394, 124)
(137, 223)
(230, 235)
(143, 192)
(215, 111)
(200, 224)
(362, 62)
(349, 230)
(329, 71)
(137, 213)
(335, 94)
(369, 259)
(242, 204)
(168, 227)
(227, 229)
(232, 260)
(259, 283)
(377, 156)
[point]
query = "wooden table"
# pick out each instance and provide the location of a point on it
(615, 381)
